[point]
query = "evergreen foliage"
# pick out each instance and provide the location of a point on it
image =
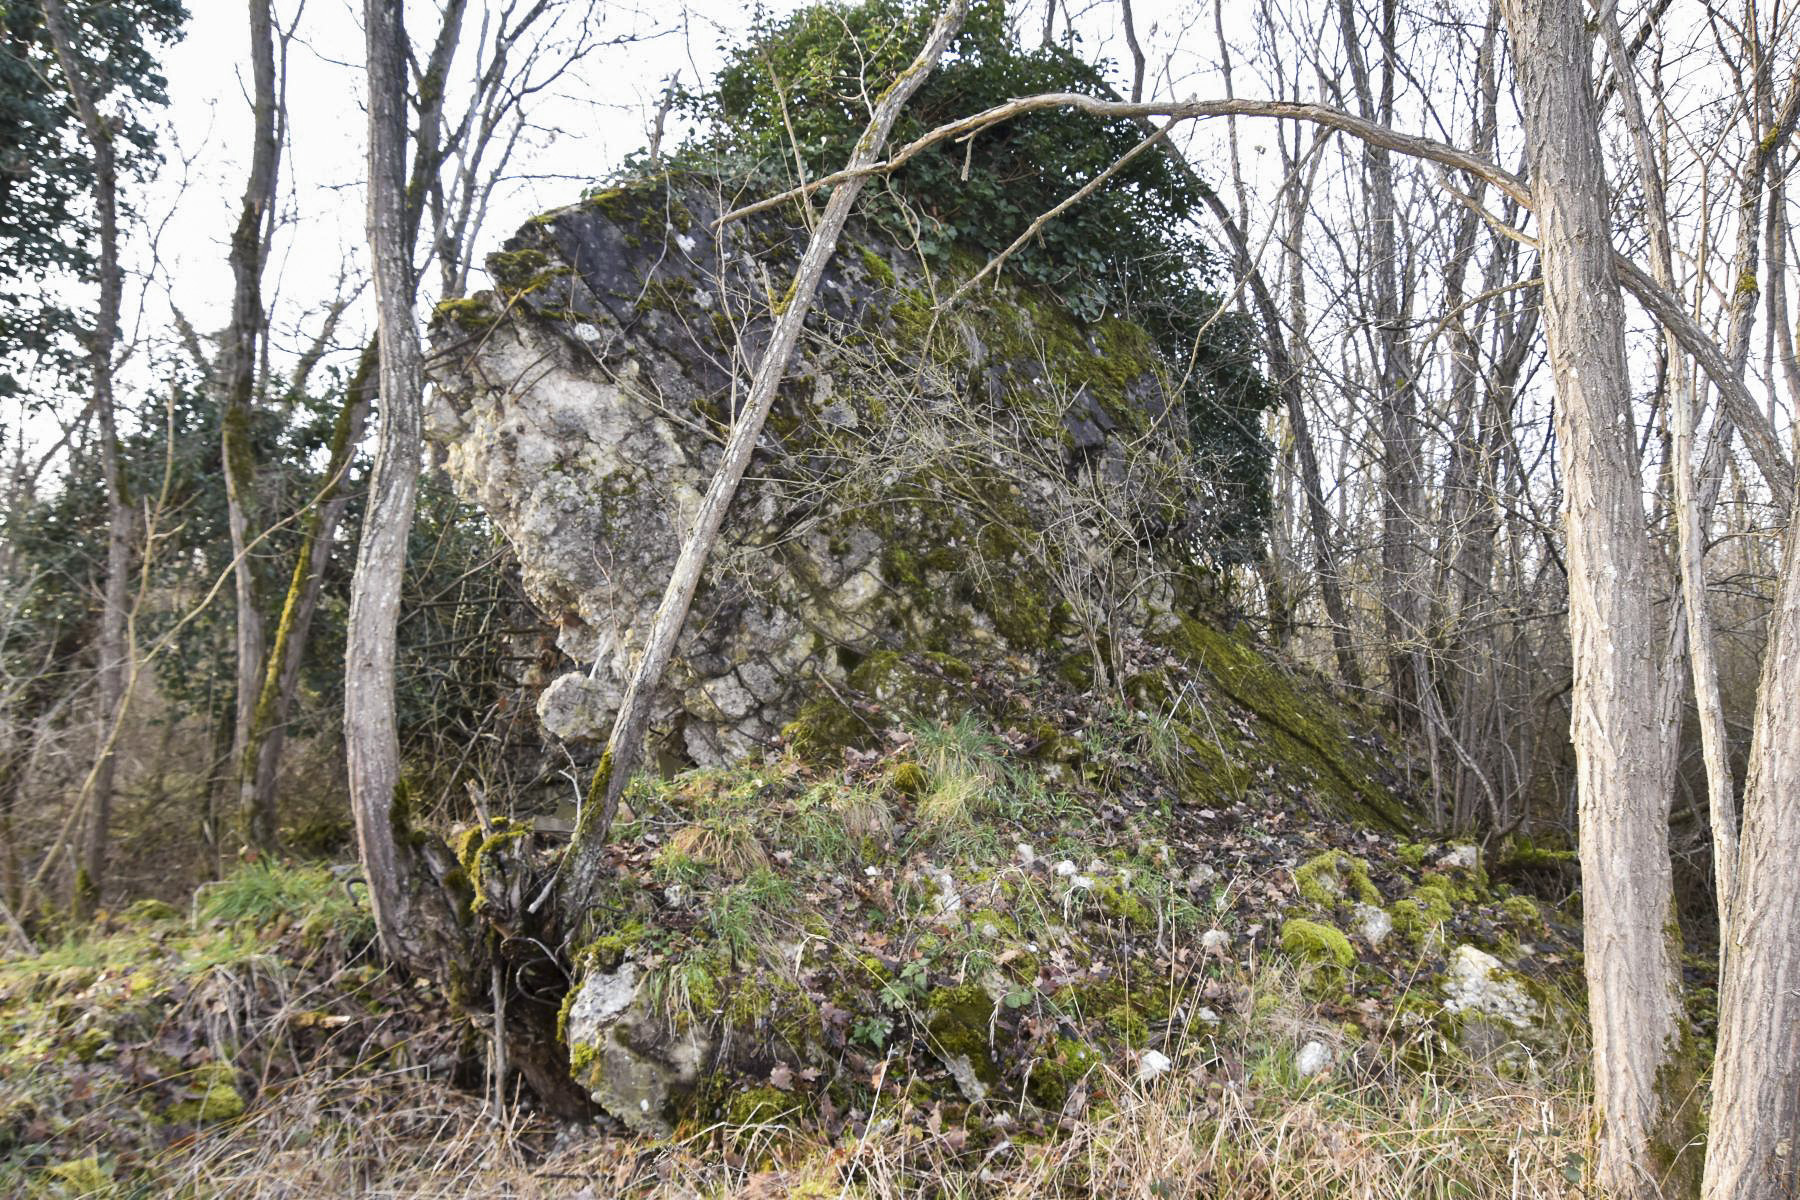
(790, 103)
(46, 226)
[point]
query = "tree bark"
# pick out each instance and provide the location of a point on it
(1691, 514)
(408, 908)
(111, 647)
(1633, 951)
(260, 755)
(1751, 1151)
(236, 384)
(625, 744)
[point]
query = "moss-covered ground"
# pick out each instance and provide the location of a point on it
(156, 1031)
(994, 933)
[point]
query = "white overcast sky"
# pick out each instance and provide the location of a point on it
(599, 115)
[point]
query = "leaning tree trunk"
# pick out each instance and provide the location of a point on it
(625, 744)
(1641, 1067)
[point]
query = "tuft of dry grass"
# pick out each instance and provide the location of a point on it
(728, 844)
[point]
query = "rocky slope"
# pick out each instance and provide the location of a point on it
(983, 808)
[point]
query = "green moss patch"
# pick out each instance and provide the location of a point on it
(116, 1043)
(1318, 945)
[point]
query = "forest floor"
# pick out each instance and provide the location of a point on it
(1194, 970)
(253, 1047)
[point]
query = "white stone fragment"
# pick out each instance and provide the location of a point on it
(949, 900)
(1466, 856)
(1207, 1016)
(1475, 984)
(967, 1081)
(1152, 1064)
(1026, 854)
(1373, 924)
(1313, 1058)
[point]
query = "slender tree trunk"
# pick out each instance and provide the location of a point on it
(625, 744)
(1285, 368)
(1464, 666)
(1632, 947)
(111, 690)
(287, 653)
(1402, 611)
(1287, 372)
(371, 740)
(1692, 515)
(1702, 656)
(260, 755)
(237, 386)
(1751, 1150)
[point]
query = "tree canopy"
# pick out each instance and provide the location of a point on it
(791, 100)
(46, 226)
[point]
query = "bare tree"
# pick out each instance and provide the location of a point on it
(455, 167)
(111, 647)
(410, 913)
(1633, 957)
(235, 383)
(1397, 383)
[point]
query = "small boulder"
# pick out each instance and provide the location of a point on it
(1477, 982)
(1313, 1059)
(637, 1068)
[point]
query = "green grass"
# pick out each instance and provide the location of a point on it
(262, 895)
